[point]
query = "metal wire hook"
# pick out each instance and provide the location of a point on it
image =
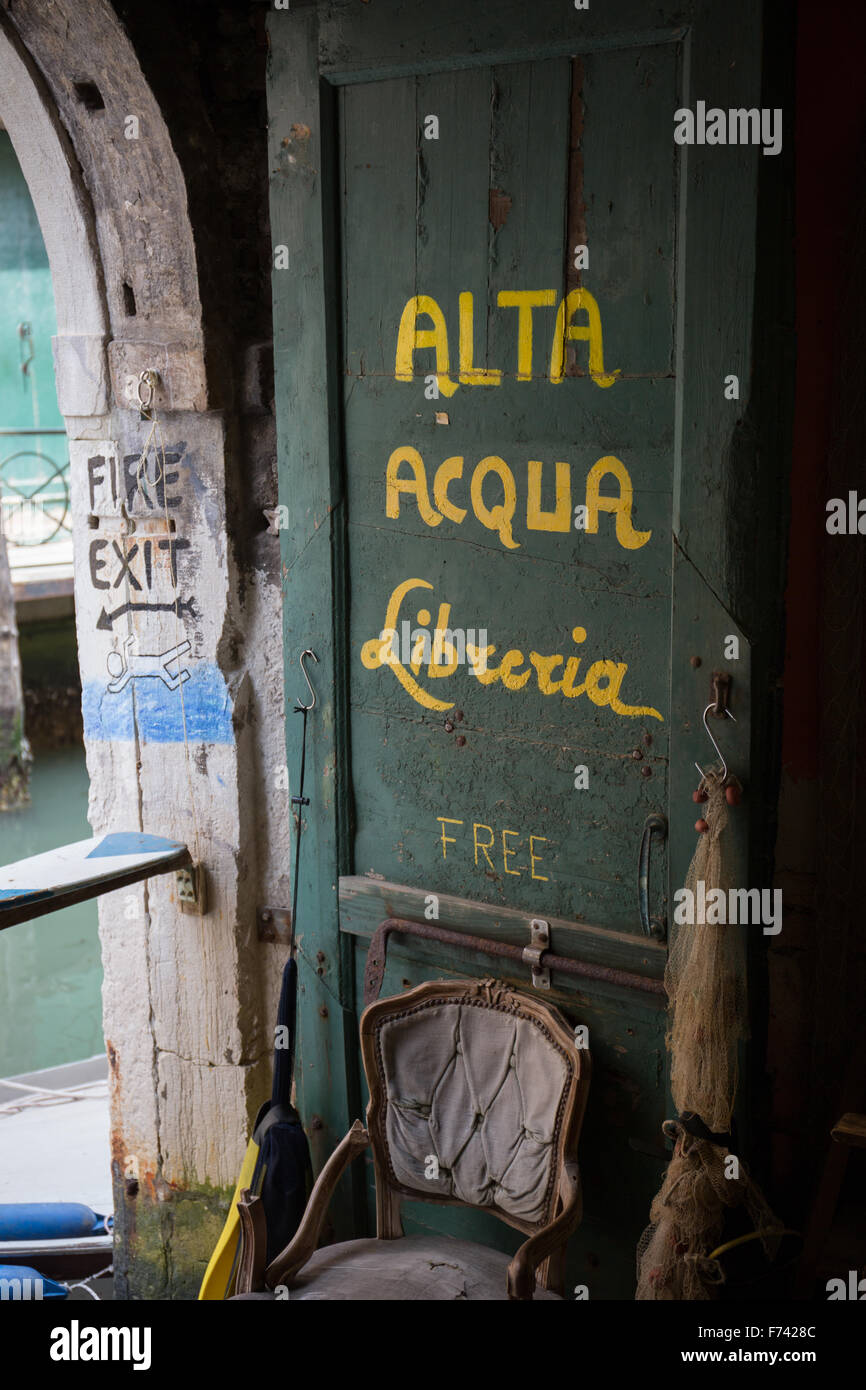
(298, 704)
(148, 379)
(710, 706)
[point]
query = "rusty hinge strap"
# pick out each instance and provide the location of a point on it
(374, 971)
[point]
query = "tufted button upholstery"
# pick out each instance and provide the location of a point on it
(481, 1090)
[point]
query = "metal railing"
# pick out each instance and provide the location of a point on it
(34, 492)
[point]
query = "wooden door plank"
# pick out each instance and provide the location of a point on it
(304, 181)
(365, 902)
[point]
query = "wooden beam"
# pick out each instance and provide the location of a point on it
(366, 902)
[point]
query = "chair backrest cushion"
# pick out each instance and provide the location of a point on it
(474, 1092)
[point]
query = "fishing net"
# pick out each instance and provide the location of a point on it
(687, 1219)
(704, 980)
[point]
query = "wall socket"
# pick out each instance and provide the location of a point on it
(191, 893)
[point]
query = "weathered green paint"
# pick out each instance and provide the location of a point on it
(312, 585)
(26, 296)
(372, 214)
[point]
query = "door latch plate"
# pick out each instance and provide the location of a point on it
(539, 942)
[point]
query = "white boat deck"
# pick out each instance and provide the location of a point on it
(54, 1136)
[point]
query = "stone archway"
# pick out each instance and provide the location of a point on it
(182, 1012)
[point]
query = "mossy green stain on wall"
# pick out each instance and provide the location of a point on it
(162, 1248)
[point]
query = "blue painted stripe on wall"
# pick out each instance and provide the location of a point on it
(157, 711)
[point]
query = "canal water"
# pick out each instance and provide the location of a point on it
(50, 969)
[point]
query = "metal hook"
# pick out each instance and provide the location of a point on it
(713, 741)
(298, 704)
(148, 378)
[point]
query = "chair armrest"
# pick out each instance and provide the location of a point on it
(250, 1277)
(521, 1271)
(303, 1244)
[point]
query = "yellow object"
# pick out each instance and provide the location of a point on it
(752, 1235)
(219, 1277)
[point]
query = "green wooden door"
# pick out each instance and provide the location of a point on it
(490, 430)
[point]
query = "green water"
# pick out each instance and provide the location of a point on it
(50, 969)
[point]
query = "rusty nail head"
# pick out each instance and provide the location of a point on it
(637, 753)
(460, 740)
(320, 957)
(647, 738)
(449, 727)
(695, 660)
(646, 772)
(459, 716)
(323, 1012)
(317, 1123)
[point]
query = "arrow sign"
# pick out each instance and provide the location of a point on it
(106, 619)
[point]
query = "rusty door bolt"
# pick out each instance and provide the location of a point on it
(317, 1122)
(695, 660)
(637, 754)
(460, 740)
(449, 727)
(646, 772)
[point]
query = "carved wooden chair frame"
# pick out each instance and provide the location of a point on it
(541, 1256)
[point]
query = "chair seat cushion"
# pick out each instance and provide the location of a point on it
(412, 1268)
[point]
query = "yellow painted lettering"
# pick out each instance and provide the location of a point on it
(509, 853)
(469, 374)
(544, 666)
(446, 473)
(565, 331)
(621, 506)
(389, 649)
(567, 686)
(534, 858)
(560, 518)
(524, 301)
(443, 640)
(410, 338)
(447, 839)
(497, 518)
(416, 486)
(421, 649)
(483, 848)
(513, 681)
(613, 672)
(379, 651)
(478, 657)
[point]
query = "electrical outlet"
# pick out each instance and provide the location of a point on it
(190, 889)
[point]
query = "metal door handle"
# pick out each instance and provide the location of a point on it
(656, 927)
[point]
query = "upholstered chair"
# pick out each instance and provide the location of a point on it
(477, 1095)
